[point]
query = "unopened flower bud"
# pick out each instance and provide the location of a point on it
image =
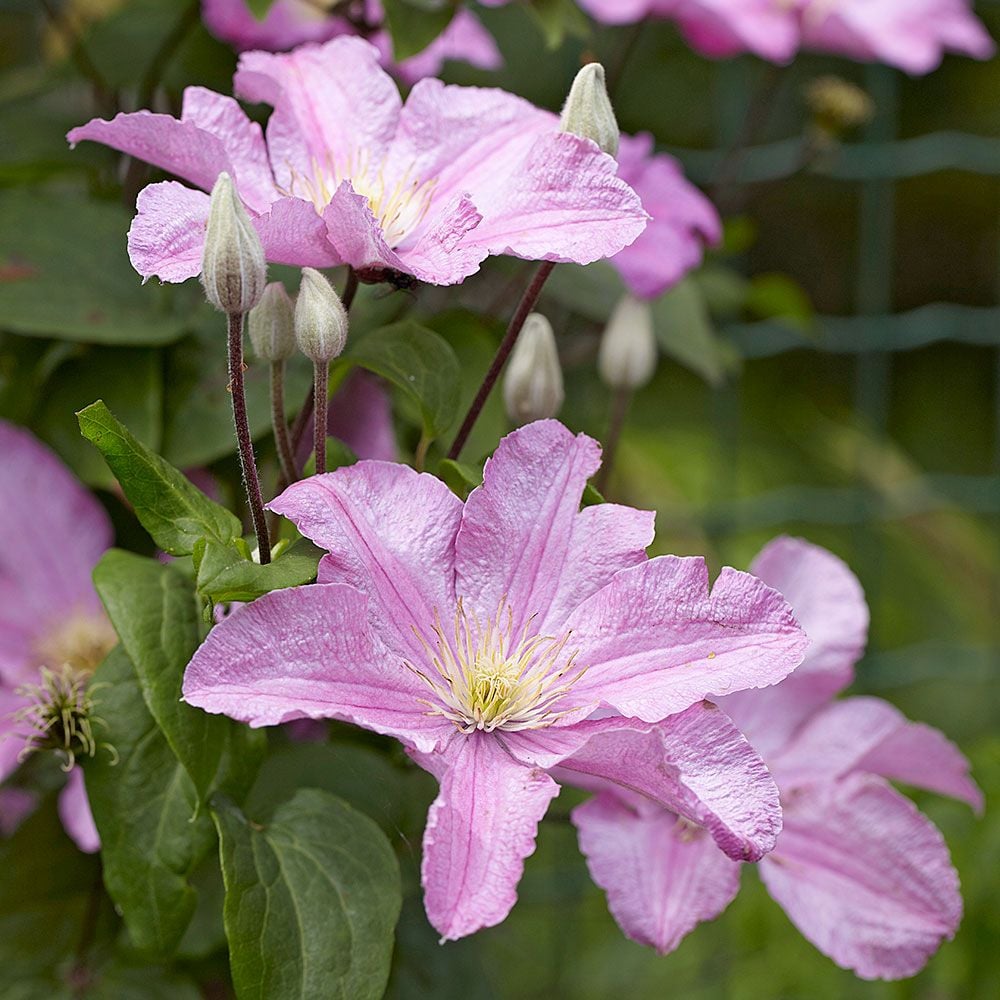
(320, 318)
(588, 110)
(627, 356)
(533, 385)
(272, 324)
(233, 270)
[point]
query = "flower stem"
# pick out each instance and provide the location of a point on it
(248, 464)
(286, 458)
(321, 376)
(524, 308)
(620, 403)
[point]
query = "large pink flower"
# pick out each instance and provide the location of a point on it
(486, 635)
(349, 175)
(289, 23)
(910, 34)
(862, 874)
(50, 615)
(682, 220)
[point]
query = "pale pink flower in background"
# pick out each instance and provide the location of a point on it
(289, 23)
(430, 188)
(486, 635)
(50, 615)
(682, 220)
(862, 874)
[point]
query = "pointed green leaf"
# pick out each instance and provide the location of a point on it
(174, 511)
(224, 575)
(312, 900)
(414, 24)
(685, 332)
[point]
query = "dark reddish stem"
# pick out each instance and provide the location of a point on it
(524, 308)
(248, 464)
(620, 403)
(282, 442)
(321, 376)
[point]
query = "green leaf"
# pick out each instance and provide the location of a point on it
(559, 18)
(780, 296)
(260, 8)
(418, 362)
(64, 272)
(685, 332)
(171, 509)
(143, 806)
(224, 575)
(155, 613)
(459, 477)
(312, 900)
(592, 291)
(414, 24)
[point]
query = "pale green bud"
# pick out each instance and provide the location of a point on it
(588, 110)
(320, 318)
(533, 383)
(627, 356)
(233, 270)
(272, 324)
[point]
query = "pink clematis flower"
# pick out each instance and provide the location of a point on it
(430, 188)
(289, 23)
(862, 874)
(486, 635)
(50, 615)
(682, 220)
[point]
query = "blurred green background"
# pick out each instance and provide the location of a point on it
(833, 371)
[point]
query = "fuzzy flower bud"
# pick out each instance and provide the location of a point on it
(533, 385)
(233, 270)
(320, 318)
(588, 110)
(272, 324)
(627, 356)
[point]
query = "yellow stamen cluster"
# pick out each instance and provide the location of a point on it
(399, 208)
(485, 677)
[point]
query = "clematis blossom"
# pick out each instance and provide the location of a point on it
(862, 874)
(912, 35)
(682, 220)
(289, 23)
(429, 188)
(50, 615)
(501, 639)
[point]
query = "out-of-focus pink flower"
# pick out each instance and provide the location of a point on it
(289, 23)
(50, 615)
(862, 874)
(430, 188)
(910, 34)
(485, 635)
(682, 220)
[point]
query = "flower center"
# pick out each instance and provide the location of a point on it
(399, 208)
(486, 677)
(79, 642)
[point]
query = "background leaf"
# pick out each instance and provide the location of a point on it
(312, 899)
(224, 575)
(414, 24)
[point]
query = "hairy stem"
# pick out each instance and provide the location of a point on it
(286, 459)
(248, 465)
(524, 308)
(321, 376)
(620, 403)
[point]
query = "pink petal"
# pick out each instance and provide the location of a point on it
(390, 533)
(829, 604)
(292, 232)
(656, 642)
(439, 253)
(355, 234)
(524, 538)
(307, 653)
(870, 735)
(16, 805)
(696, 764)
(723, 28)
(11, 732)
(564, 202)
(288, 23)
(167, 235)
(865, 877)
(56, 532)
(606, 11)
(335, 109)
(361, 416)
(74, 811)
(479, 830)
(663, 877)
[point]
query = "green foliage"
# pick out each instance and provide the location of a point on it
(312, 899)
(685, 332)
(558, 20)
(146, 810)
(414, 24)
(223, 575)
(171, 509)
